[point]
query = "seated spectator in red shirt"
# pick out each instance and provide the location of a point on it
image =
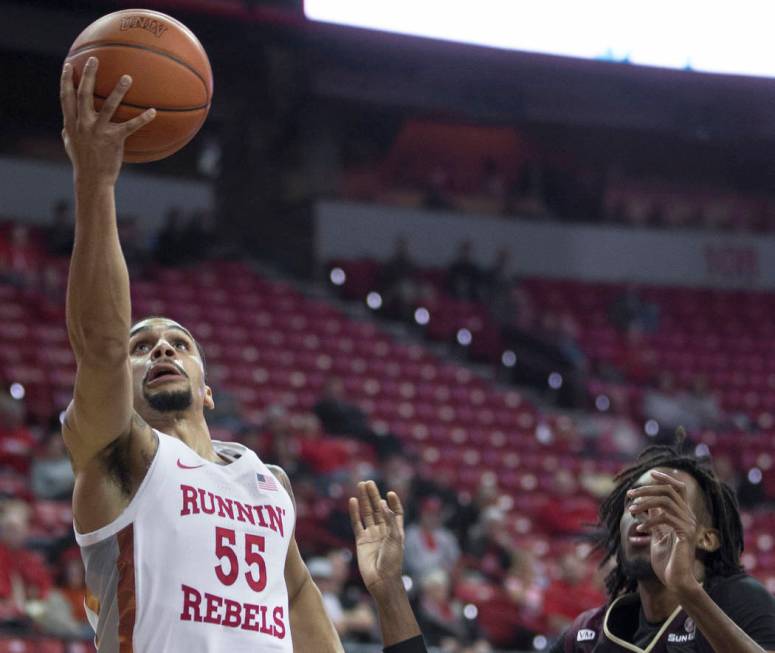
(572, 592)
(567, 510)
(322, 455)
(24, 577)
(20, 256)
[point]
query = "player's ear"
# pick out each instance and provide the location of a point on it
(209, 402)
(710, 540)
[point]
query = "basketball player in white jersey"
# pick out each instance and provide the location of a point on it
(188, 543)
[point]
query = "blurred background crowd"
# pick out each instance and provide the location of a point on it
(421, 263)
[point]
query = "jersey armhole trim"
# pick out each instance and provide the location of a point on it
(128, 514)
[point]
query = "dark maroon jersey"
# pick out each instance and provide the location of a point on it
(620, 627)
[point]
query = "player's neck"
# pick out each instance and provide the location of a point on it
(657, 601)
(191, 431)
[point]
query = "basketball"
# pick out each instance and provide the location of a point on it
(170, 72)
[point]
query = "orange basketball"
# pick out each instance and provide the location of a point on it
(170, 72)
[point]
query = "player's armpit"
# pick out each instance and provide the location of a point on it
(311, 627)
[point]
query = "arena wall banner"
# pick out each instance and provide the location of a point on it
(551, 249)
(29, 188)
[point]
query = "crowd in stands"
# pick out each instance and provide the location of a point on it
(494, 559)
(514, 173)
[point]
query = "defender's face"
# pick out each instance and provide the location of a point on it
(637, 546)
(166, 363)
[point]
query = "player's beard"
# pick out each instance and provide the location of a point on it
(170, 402)
(638, 569)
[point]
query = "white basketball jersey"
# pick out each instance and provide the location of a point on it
(196, 562)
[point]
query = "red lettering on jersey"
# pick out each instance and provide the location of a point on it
(251, 617)
(233, 615)
(244, 512)
(279, 624)
(191, 599)
(189, 500)
(225, 507)
(260, 514)
(275, 521)
(214, 602)
(205, 509)
(265, 627)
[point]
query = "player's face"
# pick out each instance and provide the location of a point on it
(167, 371)
(635, 547)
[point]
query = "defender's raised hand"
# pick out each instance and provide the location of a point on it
(94, 144)
(379, 535)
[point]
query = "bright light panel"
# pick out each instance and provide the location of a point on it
(720, 37)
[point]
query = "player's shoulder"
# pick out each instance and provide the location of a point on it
(587, 626)
(737, 585)
(281, 475)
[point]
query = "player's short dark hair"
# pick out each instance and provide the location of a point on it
(199, 347)
(720, 502)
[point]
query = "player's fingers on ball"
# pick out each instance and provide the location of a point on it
(67, 95)
(86, 87)
(355, 515)
(376, 501)
(138, 122)
(114, 99)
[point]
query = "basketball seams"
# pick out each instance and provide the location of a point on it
(124, 103)
(136, 46)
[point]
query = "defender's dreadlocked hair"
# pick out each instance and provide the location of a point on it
(719, 499)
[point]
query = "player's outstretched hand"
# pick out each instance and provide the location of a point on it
(379, 535)
(94, 144)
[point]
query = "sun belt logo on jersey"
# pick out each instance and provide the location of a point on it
(266, 483)
(585, 635)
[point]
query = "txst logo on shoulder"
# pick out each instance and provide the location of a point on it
(155, 27)
(585, 635)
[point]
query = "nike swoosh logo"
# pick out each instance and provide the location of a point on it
(182, 466)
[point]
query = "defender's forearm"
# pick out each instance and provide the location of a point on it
(98, 303)
(396, 618)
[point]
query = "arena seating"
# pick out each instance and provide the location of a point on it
(269, 344)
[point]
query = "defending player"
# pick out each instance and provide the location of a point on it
(188, 543)
(674, 531)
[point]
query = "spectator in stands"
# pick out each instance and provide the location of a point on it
(136, 252)
(441, 616)
(339, 417)
(16, 438)
(464, 277)
(60, 233)
(51, 474)
(570, 593)
(396, 281)
(496, 285)
(489, 545)
(668, 406)
(703, 404)
(170, 240)
(635, 362)
(20, 257)
(429, 545)
(352, 622)
(525, 584)
(63, 614)
(24, 577)
(630, 310)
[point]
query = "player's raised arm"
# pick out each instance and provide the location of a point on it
(379, 540)
(98, 306)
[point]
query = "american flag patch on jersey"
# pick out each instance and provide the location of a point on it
(266, 482)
